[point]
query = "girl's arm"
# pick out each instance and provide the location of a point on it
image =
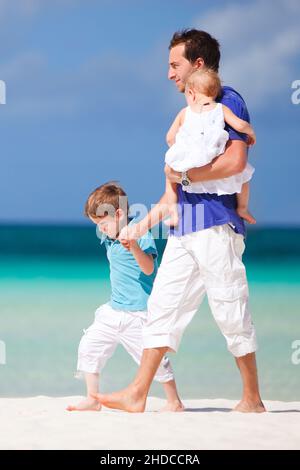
(177, 123)
(239, 124)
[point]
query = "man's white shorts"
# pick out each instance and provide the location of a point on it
(110, 328)
(208, 261)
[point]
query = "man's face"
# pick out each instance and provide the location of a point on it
(180, 68)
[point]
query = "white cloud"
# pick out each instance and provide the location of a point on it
(260, 45)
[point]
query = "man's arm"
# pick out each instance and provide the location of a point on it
(159, 212)
(231, 162)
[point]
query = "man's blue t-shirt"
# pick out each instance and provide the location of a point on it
(201, 211)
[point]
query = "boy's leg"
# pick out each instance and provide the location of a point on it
(242, 204)
(173, 400)
(96, 347)
(89, 403)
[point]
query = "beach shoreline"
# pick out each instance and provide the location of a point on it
(42, 423)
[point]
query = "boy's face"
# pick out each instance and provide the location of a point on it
(110, 225)
(180, 68)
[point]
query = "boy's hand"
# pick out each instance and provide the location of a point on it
(130, 245)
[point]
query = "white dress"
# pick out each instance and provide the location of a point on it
(199, 140)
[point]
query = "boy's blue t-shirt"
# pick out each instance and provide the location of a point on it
(201, 211)
(130, 287)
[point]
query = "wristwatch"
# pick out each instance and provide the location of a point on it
(185, 180)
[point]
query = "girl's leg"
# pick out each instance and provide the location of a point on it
(89, 403)
(171, 190)
(243, 201)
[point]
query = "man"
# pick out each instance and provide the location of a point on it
(203, 254)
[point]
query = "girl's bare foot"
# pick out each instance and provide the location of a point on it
(89, 404)
(174, 406)
(245, 214)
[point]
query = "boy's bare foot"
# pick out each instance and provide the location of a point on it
(245, 406)
(174, 406)
(129, 399)
(245, 214)
(89, 404)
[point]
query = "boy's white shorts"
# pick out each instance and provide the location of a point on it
(208, 261)
(110, 328)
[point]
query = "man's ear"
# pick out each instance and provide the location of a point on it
(199, 63)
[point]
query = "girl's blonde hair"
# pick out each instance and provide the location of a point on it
(205, 81)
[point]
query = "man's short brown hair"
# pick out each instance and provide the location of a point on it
(198, 44)
(107, 194)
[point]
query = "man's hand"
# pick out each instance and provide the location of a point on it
(172, 175)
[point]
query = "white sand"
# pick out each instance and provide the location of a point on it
(42, 423)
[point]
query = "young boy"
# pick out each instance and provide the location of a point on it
(133, 266)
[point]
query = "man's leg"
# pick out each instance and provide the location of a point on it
(219, 253)
(133, 398)
(251, 400)
(177, 293)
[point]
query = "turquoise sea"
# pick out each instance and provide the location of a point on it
(52, 278)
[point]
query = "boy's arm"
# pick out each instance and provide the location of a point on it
(144, 260)
(177, 123)
(239, 124)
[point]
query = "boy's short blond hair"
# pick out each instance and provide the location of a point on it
(205, 81)
(108, 194)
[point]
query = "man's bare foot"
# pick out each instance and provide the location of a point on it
(245, 406)
(245, 214)
(89, 404)
(129, 399)
(174, 406)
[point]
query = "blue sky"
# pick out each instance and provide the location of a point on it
(88, 99)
